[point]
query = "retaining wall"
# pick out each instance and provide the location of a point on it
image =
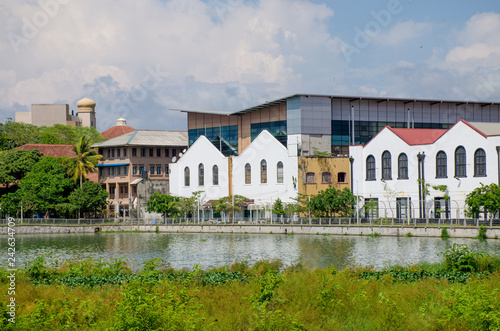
(457, 232)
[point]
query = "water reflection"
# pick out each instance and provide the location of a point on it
(184, 250)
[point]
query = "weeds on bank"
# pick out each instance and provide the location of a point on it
(262, 296)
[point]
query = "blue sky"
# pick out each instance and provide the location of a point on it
(138, 59)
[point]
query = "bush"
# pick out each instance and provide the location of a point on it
(481, 235)
(444, 233)
(460, 258)
(408, 235)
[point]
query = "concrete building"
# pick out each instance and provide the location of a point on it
(135, 155)
(404, 173)
(50, 114)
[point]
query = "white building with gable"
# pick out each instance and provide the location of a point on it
(263, 172)
(409, 173)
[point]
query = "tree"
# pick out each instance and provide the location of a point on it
(485, 198)
(278, 207)
(45, 188)
(15, 164)
(58, 134)
(189, 205)
(16, 134)
(85, 160)
(225, 204)
(331, 202)
(90, 198)
(166, 205)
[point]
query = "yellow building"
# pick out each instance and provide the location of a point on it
(318, 173)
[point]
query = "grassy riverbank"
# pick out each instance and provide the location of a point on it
(462, 293)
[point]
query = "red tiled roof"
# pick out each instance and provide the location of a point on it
(51, 150)
(57, 151)
(418, 136)
(116, 131)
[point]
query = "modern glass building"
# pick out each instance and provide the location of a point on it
(329, 124)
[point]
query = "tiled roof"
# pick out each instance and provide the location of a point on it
(147, 138)
(50, 150)
(116, 131)
(57, 151)
(418, 136)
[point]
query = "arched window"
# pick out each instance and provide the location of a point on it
(310, 177)
(386, 165)
(201, 175)
(326, 178)
(460, 162)
(186, 176)
(479, 163)
(370, 167)
(402, 166)
(263, 171)
(441, 165)
(248, 174)
(279, 172)
(215, 175)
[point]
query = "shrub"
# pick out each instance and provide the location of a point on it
(408, 235)
(460, 258)
(444, 233)
(481, 235)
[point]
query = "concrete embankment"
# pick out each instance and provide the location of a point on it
(454, 232)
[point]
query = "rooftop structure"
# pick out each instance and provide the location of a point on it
(50, 114)
(120, 128)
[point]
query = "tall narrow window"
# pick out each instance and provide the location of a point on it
(158, 169)
(402, 166)
(201, 175)
(152, 169)
(134, 151)
(370, 167)
(326, 178)
(248, 174)
(386, 165)
(263, 171)
(279, 172)
(134, 170)
(460, 162)
(186, 176)
(479, 163)
(441, 165)
(310, 178)
(341, 177)
(215, 175)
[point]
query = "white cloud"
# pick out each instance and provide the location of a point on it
(402, 32)
(257, 49)
(480, 45)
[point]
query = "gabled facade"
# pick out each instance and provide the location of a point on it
(265, 171)
(201, 168)
(409, 172)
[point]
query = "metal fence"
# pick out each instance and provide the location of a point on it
(299, 221)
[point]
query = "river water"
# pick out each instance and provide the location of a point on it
(184, 250)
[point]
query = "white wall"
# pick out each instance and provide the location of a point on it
(265, 147)
(460, 134)
(202, 151)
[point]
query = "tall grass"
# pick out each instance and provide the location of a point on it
(93, 295)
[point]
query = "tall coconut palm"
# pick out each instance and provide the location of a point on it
(85, 160)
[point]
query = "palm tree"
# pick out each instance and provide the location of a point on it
(85, 160)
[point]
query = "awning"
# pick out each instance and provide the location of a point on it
(112, 165)
(137, 181)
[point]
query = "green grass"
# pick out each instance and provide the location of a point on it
(96, 295)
